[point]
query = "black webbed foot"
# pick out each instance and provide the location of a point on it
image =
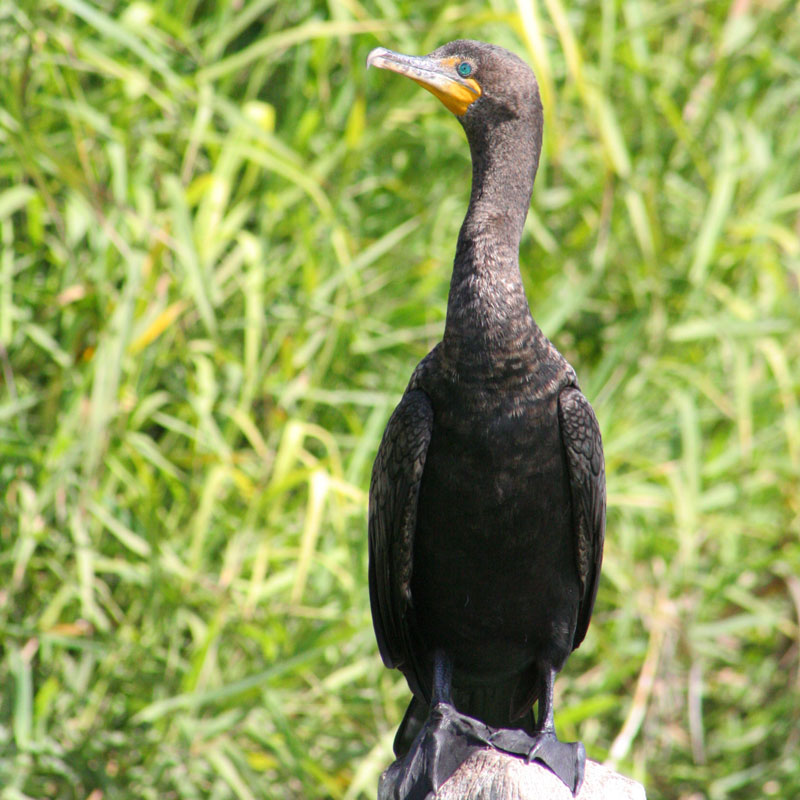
(448, 738)
(445, 742)
(567, 760)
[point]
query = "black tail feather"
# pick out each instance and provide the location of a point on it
(414, 719)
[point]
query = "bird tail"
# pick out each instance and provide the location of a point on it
(505, 705)
(499, 706)
(414, 719)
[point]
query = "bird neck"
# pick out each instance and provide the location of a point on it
(505, 158)
(488, 316)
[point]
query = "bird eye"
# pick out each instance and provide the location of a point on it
(464, 69)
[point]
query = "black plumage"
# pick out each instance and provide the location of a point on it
(487, 501)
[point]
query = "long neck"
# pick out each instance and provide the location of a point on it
(488, 317)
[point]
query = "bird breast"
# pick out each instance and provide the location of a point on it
(493, 542)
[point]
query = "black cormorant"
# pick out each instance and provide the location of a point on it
(487, 500)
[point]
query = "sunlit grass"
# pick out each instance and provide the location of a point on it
(224, 247)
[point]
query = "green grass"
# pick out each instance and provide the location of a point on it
(224, 247)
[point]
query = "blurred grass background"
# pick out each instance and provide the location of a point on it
(225, 245)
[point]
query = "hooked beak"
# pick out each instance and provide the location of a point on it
(437, 75)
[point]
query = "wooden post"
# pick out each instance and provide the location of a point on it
(492, 775)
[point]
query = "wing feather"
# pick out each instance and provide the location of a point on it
(583, 444)
(393, 497)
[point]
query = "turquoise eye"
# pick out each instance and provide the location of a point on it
(464, 69)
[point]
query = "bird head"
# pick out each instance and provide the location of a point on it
(482, 84)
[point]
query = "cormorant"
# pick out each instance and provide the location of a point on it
(487, 499)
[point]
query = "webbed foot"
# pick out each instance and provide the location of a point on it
(567, 760)
(446, 741)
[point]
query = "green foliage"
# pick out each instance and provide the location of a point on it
(224, 247)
